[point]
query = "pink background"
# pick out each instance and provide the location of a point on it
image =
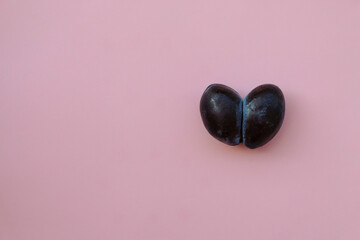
(101, 135)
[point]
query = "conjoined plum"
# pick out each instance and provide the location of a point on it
(253, 121)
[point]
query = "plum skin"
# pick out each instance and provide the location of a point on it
(263, 115)
(253, 121)
(221, 112)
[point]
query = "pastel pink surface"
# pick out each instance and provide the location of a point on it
(101, 135)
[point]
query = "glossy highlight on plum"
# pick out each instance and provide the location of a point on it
(254, 120)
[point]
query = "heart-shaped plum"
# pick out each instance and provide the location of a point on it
(255, 121)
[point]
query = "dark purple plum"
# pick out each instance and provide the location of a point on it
(264, 110)
(221, 112)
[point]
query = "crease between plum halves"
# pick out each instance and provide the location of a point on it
(254, 120)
